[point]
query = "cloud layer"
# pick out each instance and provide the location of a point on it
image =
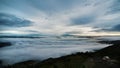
(65, 16)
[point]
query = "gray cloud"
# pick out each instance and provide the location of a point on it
(116, 28)
(83, 20)
(10, 21)
(115, 7)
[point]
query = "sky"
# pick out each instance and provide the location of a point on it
(57, 17)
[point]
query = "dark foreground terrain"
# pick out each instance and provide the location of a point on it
(108, 57)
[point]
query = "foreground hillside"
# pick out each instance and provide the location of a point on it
(105, 58)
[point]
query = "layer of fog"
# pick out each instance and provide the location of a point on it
(40, 49)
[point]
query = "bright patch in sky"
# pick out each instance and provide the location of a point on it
(13, 32)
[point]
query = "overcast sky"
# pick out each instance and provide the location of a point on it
(60, 16)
